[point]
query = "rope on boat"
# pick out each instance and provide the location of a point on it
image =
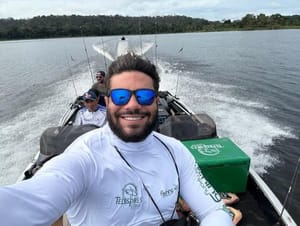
(292, 186)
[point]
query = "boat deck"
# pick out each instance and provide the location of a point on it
(256, 209)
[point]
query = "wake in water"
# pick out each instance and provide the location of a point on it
(19, 136)
(239, 119)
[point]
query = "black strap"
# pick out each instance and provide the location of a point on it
(177, 171)
(146, 189)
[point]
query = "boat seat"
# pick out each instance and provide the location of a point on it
(54, 141)
(189, 127)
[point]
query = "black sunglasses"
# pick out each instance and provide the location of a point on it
(122, 96)
(89, 101)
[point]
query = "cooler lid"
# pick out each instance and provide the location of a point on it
(216, 151)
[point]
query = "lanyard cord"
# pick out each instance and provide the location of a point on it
(146, 189)
(176, 167)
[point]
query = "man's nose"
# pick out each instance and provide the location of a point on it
(133, 102)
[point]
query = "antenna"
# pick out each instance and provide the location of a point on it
(87, 56)
(292, 185)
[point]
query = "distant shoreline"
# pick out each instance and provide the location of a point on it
(78, 26)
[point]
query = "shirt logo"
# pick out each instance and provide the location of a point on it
(208, 149)
(168, 192)
(130, 196)
(208, 189)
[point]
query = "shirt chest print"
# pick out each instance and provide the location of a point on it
(129, 196)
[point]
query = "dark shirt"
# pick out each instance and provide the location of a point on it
(100, 87)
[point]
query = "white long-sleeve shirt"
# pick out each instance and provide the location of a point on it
(97, 117)
(96, 187)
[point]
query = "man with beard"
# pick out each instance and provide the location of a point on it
(99, 85)
(121, 174)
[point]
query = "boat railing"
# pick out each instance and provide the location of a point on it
(286, 217)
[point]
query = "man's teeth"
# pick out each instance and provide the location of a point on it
(131, 118)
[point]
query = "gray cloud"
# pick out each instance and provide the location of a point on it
(207, 9)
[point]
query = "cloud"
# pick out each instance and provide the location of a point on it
(207, 9)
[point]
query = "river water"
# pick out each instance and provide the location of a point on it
(248, 82)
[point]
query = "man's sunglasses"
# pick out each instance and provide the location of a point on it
(89, 101)
(122, 96)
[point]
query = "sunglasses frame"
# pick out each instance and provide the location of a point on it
(135, 93)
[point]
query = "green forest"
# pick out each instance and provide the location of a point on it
(73, 26)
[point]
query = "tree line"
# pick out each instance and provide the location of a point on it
(74, 26)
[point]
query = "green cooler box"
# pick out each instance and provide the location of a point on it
(222, 162)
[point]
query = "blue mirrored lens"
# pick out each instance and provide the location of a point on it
(145, 96)
(122, 96)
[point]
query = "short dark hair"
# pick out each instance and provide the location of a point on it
(133, 62)
(101, 73)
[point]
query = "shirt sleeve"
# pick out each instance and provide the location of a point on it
(202, 198)
(45, 197)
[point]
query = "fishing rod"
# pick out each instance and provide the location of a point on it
(72, 106)
(71, 75)
(140, 32)
(177, 82)
(155, 41)
(87, 55)
(70, 71)
(292, 186)
(105, 63)
(155, 50)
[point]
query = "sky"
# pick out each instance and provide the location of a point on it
(207, 9)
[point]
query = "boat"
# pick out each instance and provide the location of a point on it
(257, 203)
(229, 174)
(111, 51)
